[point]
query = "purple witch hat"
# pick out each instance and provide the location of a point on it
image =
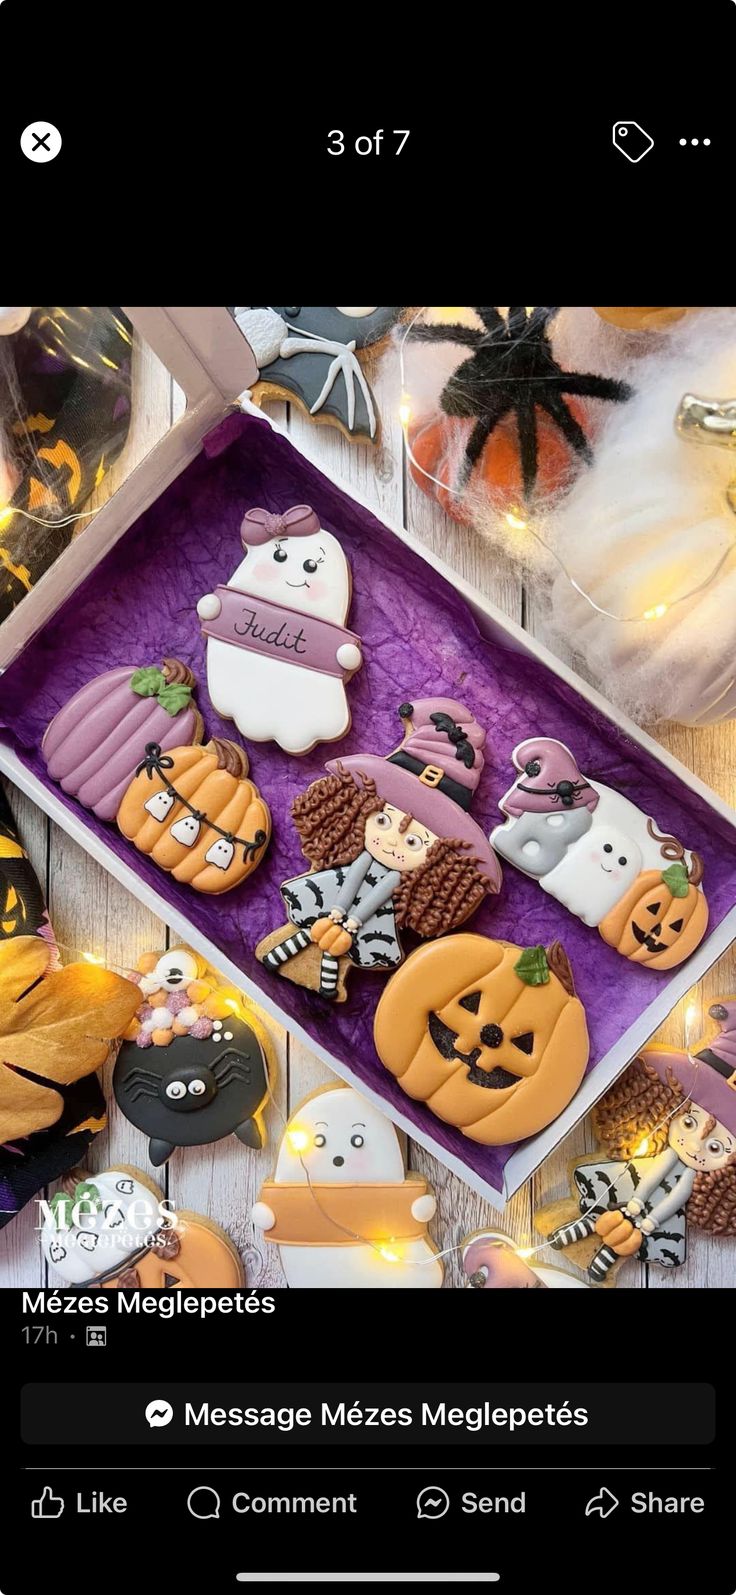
(707, 1077)
(434, 774)
(549, 780)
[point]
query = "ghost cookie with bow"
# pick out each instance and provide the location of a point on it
(391, 845)
(602, 857)
(114, 1230)
(278, 654)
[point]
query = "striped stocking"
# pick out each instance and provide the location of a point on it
(287, 949)
(568, 1234)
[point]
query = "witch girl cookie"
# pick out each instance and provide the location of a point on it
(391, 845)
(668, 1127)
(599, 855)
(278, 654)
(341, 1207)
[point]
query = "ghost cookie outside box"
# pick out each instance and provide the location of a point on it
(341, 1207)
(278, 654)
(391, 844)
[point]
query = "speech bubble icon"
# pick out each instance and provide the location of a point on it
(432, 1501)
(158, 1414)
(204, 1502)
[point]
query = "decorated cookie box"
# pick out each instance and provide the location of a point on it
(126, 593)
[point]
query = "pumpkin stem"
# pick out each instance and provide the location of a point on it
(671, 848)
(176, 673)
(560, 965)
(229, 757)
(696, 870)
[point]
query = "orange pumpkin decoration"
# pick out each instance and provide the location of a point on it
(492, 1037)
(436, 448)
(196, 814)
(662, 918)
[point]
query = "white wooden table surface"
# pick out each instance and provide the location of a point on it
(91, 911)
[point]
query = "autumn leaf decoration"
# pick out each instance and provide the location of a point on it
(55, 1026)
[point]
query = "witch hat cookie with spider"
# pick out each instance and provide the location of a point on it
(392, 845)
(206, 1069)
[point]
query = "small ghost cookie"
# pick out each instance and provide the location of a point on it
(195, 812)
(341, 1207)
(599, 855)
(490, 1036)
(115, 1231)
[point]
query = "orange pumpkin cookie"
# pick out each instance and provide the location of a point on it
(197, 815)
(114, 1230)
(491, 1036)
(662, 918)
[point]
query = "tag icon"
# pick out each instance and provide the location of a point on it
(632, 140)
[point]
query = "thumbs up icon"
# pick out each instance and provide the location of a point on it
(47, 1505)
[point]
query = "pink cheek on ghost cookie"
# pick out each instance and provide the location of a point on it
(267, 571)
(595, 858)
(316, 590)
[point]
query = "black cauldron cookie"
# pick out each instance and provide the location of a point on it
(198, 1089)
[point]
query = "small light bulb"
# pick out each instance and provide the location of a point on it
(231, 1003)
(691, 1014)
(298, 1140)
(516, 520)
(527, 1251)
(656, 613)
(642, 1150)
(389, 1256)
(91, 959)
(404, 411)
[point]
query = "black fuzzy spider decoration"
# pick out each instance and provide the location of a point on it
(512, 370)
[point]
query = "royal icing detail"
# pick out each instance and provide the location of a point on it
(307, 353)
(208, 1080)
(340, 1206)
(94, 743)
(195, 812)
(599, 855)
(680, 1108)
(177, 999)
(490, 1036)
(114, 1230)
(391, 844)
(491, 1262)
(278, 653)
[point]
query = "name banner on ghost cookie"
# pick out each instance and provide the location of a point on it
(278, 633)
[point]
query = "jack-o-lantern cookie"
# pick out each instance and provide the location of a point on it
(194, 811)
(491, 1036)
(115, 1231)
(391, 844)
(600, 856)
(208, 1081)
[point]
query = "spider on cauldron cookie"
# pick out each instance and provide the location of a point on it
(198, 1088)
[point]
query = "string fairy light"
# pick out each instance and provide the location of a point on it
(517, 520)
(389, 1250)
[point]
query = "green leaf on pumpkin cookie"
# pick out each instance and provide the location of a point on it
(148, 681)
(532, 967)
(676, 880)
(174, 696)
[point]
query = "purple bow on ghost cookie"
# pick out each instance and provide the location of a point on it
(262, 526)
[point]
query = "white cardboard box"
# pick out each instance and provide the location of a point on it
(212, 362)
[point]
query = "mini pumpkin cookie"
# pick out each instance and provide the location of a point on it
(197, 815)
(668, 1127)
(212, 1081)
(341, 1207)
(391, 844)
(93, 744)
(491, 1036)
(278, 654)
(177, 999)
(599, 855)
(114, 1230)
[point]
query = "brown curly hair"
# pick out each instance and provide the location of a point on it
(630, 1111)
(331, 817)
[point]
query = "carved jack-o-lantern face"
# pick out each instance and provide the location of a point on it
(492, 1038)
(195, 1255)
(661, 919)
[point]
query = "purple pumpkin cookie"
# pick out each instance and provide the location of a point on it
(94, 743)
